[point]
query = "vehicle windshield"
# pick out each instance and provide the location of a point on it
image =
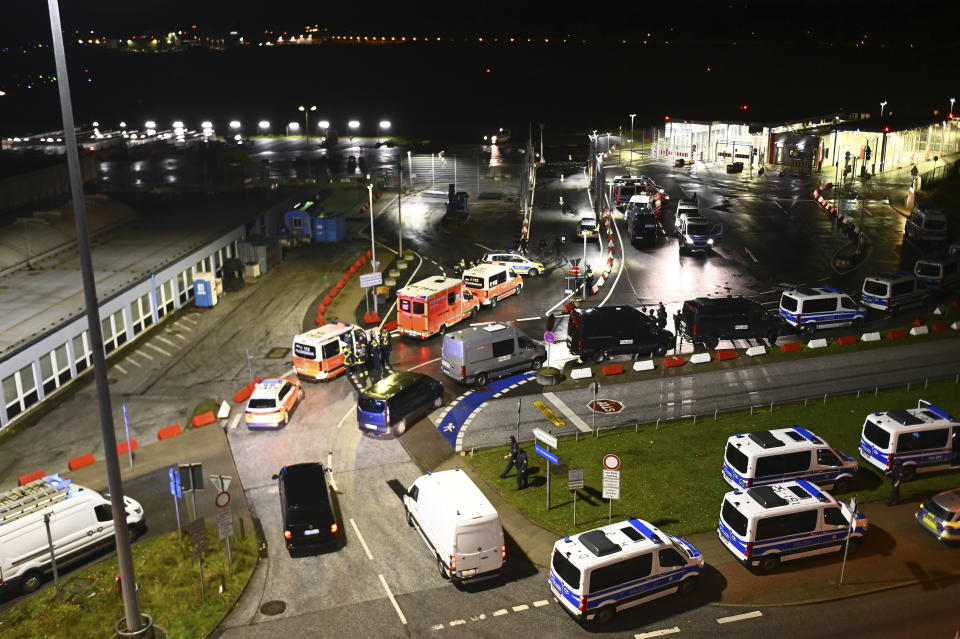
(878, 436)
(588, 222)
(698, 229)
(788, 303)
(734, 518)
(680, 547)
(736, 458)
(566, 570)
(930, 270)
(938, 511)
(262, 403)
(370, 405)
(627, 191)
(873, 287)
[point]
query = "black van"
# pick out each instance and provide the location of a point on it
(642, 225)
(308, 519)
(396, 401)
(596, 333)
(707, 320)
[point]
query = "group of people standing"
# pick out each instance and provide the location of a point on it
(367, 351)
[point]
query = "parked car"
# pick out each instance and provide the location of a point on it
(309, 522)
(941, 515)
(396, 402)
(707, 320)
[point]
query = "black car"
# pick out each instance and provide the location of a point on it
(596, 333)
(707, 320)
(309, 522)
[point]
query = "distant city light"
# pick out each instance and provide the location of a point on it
(235, 124)
(384, 124)
(206, 124)
(178, 124)
(323, 124)
(150, 124)
(264, 124)
(353, 124)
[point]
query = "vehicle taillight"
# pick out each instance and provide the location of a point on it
(453, 563)
(890, 460)
(749, 482)
(334, 528)
(580, 345)
(749, 551)
(696, 329)
(287, 534)
(463, 372)
(503, 551)
(386, 413)
(583, 603)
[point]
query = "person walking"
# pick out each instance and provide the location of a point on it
(896, 476)
(661, 316)
(557, 248)
(511, 457)
(522, 467)
(676, 331)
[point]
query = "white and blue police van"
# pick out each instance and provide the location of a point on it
(766, 525)
(938, 273)
(926, 225)
(786, 454)
(921, 439)
(810, 309)
(599, 572)
(893, 291)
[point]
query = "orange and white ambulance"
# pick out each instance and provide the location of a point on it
(318, 353)
(490, 283)
(433, 305)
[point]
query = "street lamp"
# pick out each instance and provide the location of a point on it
(882, 104)
(383, 125)
(306, 119)
(633, 141)
(264, 125)
(235, 124)
(292, 126)
(952, 100)
(325, 125)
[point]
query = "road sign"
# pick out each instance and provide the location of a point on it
(549, 337)
(549, 414)
(545, 437)
(371, 279)
(611, 484)
(175, 488)
(222, 500)
(198, 536)
(222, 482)
(605, 406)
(225, 522)
(594, 387)
(546, 454)
(191, 477)
(611, 462)
(575, 479)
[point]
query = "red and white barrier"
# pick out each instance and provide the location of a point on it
(611, 252)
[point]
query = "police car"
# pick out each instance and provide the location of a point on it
(519, 263)
(892, 291)
(810, 309)
(599, 572)
(272, 402)
(941, 515)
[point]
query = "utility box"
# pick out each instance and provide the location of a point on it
(251, 270)
(330, 228)
(205, 290)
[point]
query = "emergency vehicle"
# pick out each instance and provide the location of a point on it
(318, 353)
(625, 187)
(810, 309)
(892, 291)
(941, 515)
(519, 263)
(490, 283)
(599, 572)
(433, 305)
(921, 439)
(272, 402)
(926, 225)
(938, 273)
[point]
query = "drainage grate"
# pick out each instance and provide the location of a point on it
(277, 353)
(273, 607)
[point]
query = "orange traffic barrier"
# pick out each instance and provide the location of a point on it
(918, 321)
(612, 369)
(169, 431)
(327, 299)
(569, 306)
(321, 309)
(727, 353)
(80, 462)
(846, 340)
(23, 480)
(320, 320)
(367, 255)
(898, 333)
(353, 269)
(244, 393)
(203, 419)
(338, 288)
(125, 447)
(790, 346)
(939, 326)
(370, 317)
(674, 360)
(390, 326)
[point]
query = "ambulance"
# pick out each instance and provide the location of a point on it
(490, 283)
(433, 305)
(318, 353)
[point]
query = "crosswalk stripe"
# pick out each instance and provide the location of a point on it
(158, 349)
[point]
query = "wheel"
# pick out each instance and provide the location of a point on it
(687, 586)
(534, 272)
(857, 324)
(443, 329)
(493, 302)
(516, 291)
(400, 427)
(605, 615)
(409, 518)
(133, 533)
(712, 342)
(482, 379)
(772, 337)
(443, 570)
(535, 364)
(909, 473)
(438, 402)
(842, 485)
(30, 581)
(600, 355)
(853, 545)
(809, 329)
(661, 350)
(473, 312)
(768, 563)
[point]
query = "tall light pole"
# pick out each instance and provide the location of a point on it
(400, 197)
(383, 125)
(541, 142)
(410, 170)
(373, 245)
(882, 105)
(952, 100)
(633, 141)
(128, 581)
(306, 120)
(325, 125)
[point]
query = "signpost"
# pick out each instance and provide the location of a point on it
(371, 279)
(191, 480)
(549, 338)
(126, 428)
(177, 491)
(575, 483)
(595, 388)
(611, 482)
(198, 537)
(225, 526)
(605, 406)
(551, 457)
(846, 543)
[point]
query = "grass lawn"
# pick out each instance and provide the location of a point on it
(169, 592)
(671, 476)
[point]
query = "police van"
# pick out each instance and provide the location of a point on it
(766, 525)
(695, 233)
(922, 439)
(926, 225)
(786, 454)
(892, 291)
(812, 308)
(938, 273)
(599, 572)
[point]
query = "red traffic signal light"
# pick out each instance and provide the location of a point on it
(666, 117)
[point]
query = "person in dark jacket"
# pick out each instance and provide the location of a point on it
(522, 465)
(676, 330)
(374, 362)
(661, 316)
(349, 360)
(511, 457)
(385, 347)
(896, 476)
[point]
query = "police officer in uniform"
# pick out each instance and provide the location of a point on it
(511, 457)
(661, 316)
(374, 362)
(522, 465)
(385, 347)
(896, 476)
(676, 330)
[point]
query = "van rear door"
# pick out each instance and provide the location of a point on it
(478, 547)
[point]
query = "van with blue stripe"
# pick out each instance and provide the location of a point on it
(599, 572)
(810, 309)
(786, 454)
(921, 439)
(893, 291)
(766, 525)
(938, 274)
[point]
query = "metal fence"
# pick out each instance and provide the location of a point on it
(939, 173)
(484, 176)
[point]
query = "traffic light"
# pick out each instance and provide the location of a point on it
(867, 156)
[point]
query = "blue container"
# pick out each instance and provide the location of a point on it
(330, 229)
(204, 291)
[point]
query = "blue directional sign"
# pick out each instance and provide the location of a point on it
(175, 488)
(546, 454)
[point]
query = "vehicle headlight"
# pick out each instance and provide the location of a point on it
(688, 239)
(710, 241)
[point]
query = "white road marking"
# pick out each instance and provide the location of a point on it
(501, 612)
(346, 414)
(235, 420)
(457, 622)
(657, 633)
(363, 543)
(179, 336)
(396, 607)
(746, 615)
(520, 608)
(423, 364)
(147, 355)
(185, 318)
(750, 253)
(166, 341)
(438, 626)
(130, 360)
(157, 348)
(185, 328)
(290, 373)
(120, 368)
(483, 323)
(542, 602)
(483, 247)
(527, 319)
(573, 417)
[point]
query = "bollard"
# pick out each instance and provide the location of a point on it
(771, 406)
(824, 398)
(694, 418)
(471, 451)
(858, 393)
(751, 410)
(876, 389)
(908, 385)
(715, 410)
(636, 427)
(658, 424)
(926, 381)
(804, 402)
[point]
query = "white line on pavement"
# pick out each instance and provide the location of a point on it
(542, 602)
(527, 319)
(147, 355)
(346, 414)
(750, 253)
(549, 310)
(157, 348)
(396, 607)
(130, 360)
(746, 615)
(502, 611)
(520, 608)
(235, 420)
(572, 416)
(166, 341)
(189, 319)
(120, 368)
(483, 247)
(457, 622)
(423, 364)
(290, 373)
(186, 328)
(179, 336)
(363, 543)
(438, 626)
(657, 633)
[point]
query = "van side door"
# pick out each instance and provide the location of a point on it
(671, 564)
(834, 524)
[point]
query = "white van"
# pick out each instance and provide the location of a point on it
(477, 354)
(811, 308)
(766, 525)
(490, 283)
(938, 273)
(785, 454)
(924, 438)
(599, 572)
(892, 291)
(80, 521)
(458, 524)
(926, 225)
